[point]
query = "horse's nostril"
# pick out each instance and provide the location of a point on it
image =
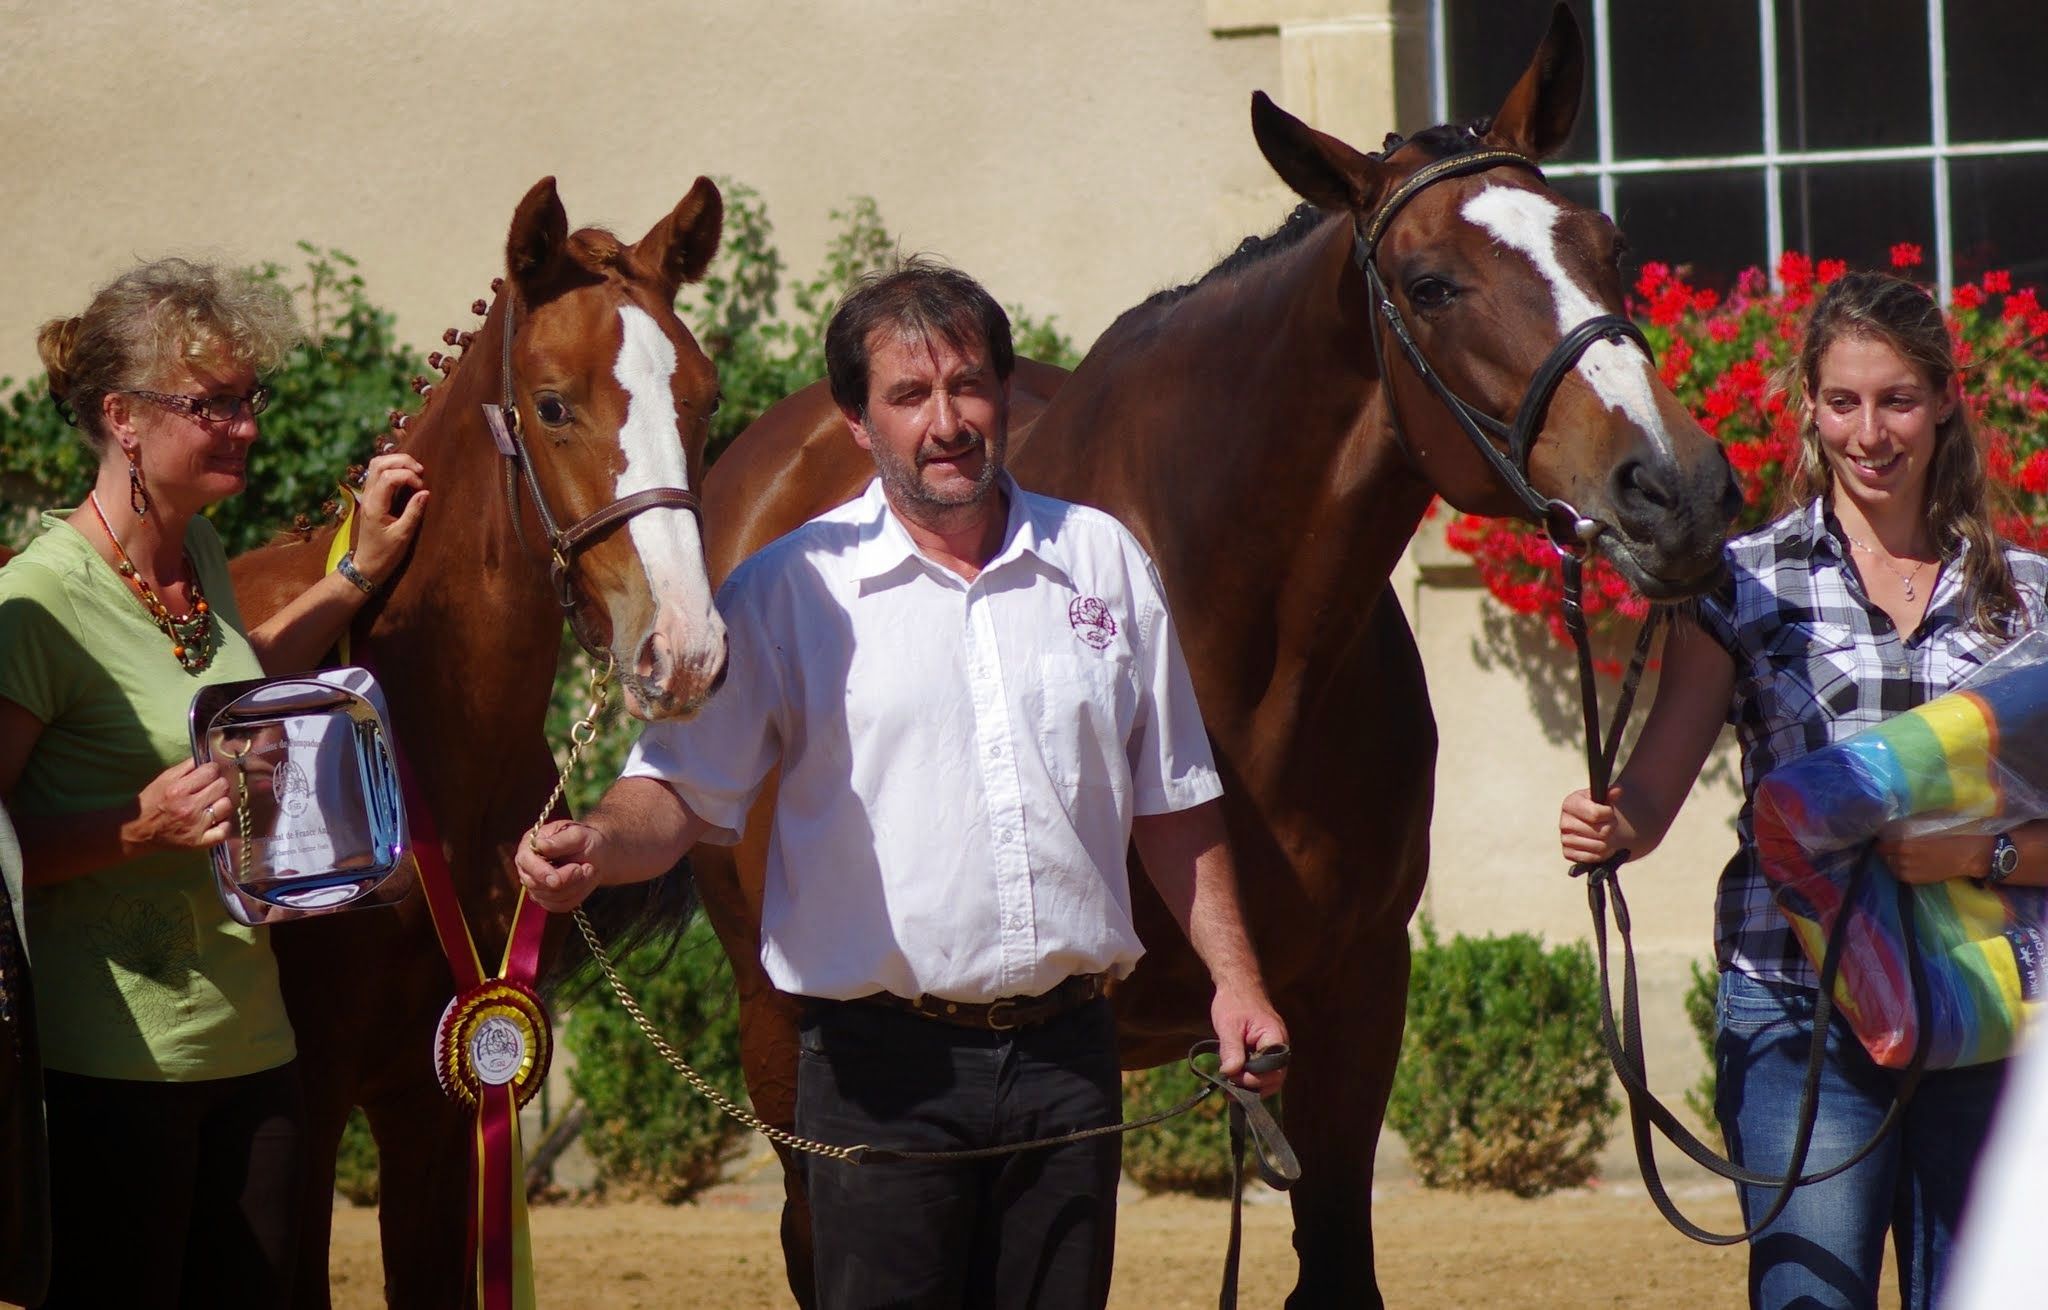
(653, 663)
(1638, 481)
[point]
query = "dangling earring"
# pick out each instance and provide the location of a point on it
(138, 495)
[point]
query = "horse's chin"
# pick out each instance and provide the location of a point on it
(1658, 576)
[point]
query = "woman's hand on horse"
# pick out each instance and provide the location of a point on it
(184, 808)
(382, 541)
(557, 864)
(1936, 859)
(1592, 832)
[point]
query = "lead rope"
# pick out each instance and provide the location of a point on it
(1249, 1119)
(1625, 1046)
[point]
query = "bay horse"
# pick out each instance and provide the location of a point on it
(1244, 429)
(613, 398)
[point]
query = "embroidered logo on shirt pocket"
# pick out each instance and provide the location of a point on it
(1086, 704)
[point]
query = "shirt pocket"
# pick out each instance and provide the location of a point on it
(1810, 673)
(1086, 706)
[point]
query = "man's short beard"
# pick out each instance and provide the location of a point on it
(906, 486)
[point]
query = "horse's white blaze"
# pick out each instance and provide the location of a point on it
(1618, 374)
(670, 545)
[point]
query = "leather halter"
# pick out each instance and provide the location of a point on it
(1569, 530)
(564, 545)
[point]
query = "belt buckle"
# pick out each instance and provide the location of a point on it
(995, 1008)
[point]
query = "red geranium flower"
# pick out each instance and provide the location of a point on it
(1906, 255)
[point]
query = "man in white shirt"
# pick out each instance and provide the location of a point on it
(977, 703)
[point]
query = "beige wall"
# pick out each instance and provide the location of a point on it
(1069, 153)
(1075, 154)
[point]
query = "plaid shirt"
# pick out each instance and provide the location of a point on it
(1815, 662)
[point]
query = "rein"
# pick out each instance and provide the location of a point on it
(564, 545)
(1625, 1042)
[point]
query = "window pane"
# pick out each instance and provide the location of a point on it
(1996, 51)
(1853, 73)
(1491, 42)
(1995, 205)
(1708, 225)
(1858, 212)
(1687, 80)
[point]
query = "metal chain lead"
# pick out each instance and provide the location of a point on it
(581, 735)
(847, 1154)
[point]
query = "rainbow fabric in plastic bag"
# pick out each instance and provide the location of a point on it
(1974, 760)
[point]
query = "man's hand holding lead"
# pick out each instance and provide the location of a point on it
(1245, 1022)
(558, 864)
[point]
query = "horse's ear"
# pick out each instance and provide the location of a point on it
(1321, 169)
(677, 249)
(1536, 119)
(540, 226)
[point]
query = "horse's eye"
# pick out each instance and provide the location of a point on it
(551, 410)
(1620, 251)
(1430, 293)
(717, 402)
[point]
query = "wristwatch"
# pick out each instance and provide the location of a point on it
(2005, 860)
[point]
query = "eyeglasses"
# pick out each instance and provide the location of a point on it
(212, 409)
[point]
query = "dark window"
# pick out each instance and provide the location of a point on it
(1709, 225)
(1852, 74)
(1997, 53)
(1687, 80)
(1996, 208)
(1858, 212)
(1491, 41)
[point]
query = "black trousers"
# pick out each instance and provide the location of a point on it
(1032, 1229)
(174, 1194)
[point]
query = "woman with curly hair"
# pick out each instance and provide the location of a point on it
(173, 1103)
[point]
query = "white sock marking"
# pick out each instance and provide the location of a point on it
(1618, 374)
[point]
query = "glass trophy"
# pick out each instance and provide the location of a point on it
(317, 823)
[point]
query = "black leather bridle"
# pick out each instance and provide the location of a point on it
(1569, 530)
(564, 545)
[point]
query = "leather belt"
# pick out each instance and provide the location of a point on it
(1003, 1014)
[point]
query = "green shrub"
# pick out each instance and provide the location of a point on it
(1699, 1010)
(355, 1164)
(648, 1131)
(1503, 1080)
(1190, 1153)
(333, 395)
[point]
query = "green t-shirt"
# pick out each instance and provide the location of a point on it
(140, 973)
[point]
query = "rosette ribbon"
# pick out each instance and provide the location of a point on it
(492, 1046)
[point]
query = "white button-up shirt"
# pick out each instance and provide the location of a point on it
(960, 760)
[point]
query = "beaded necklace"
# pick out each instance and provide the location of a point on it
(191, 636)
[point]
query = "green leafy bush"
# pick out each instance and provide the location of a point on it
(1190, 1153)
(1699, 1011)
(333, 395)
(355, 1163)
(648, 1130)
(1503, 1080)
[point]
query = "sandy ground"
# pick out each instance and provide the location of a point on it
(1599, 1246)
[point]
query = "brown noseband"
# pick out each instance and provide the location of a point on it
(1569, 530)
(564, 545)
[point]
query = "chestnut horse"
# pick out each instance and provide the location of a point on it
(1242, 428)
(612, 396)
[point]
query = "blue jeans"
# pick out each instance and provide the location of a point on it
(1827, 1248)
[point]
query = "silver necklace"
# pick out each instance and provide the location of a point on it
(1906, 578)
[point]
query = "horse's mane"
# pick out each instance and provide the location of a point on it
(1439, 142)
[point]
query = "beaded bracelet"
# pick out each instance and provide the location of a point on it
(346, 567)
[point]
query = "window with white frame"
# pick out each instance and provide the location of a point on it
(1720, 133)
